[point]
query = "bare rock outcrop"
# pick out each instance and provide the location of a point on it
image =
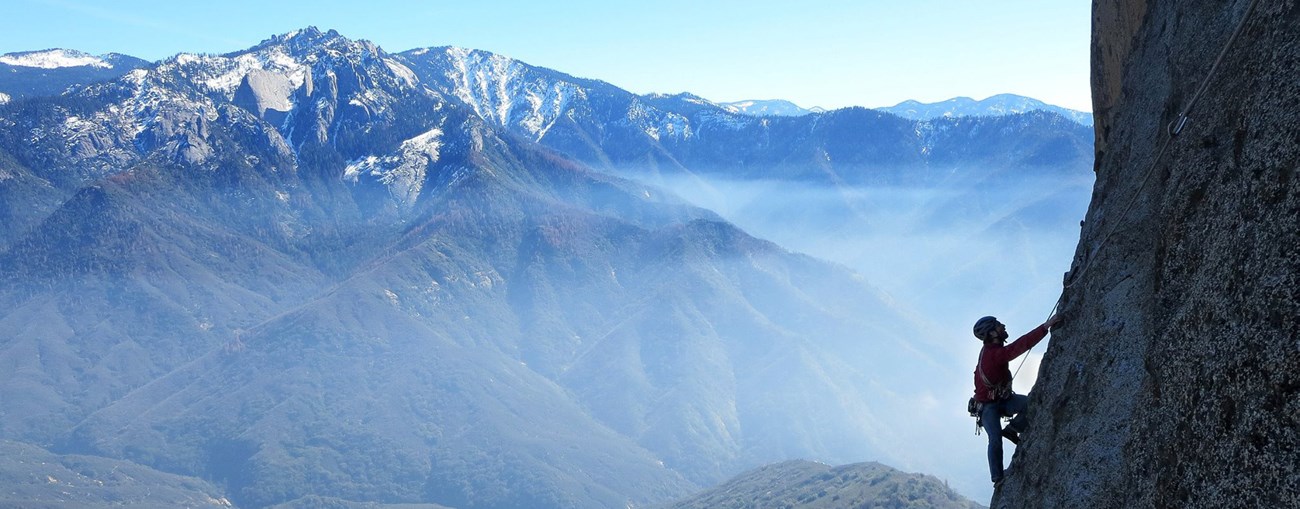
(267, 94)
(1176, 381)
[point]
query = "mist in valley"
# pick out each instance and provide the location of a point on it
(422, 295)
(964, 243)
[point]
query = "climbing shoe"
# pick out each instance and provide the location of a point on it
(1011, 434)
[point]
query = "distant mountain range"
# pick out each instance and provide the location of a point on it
(314, 270)
(998, 105)
(995, 106)
(50, 72)
(614, 130)
(775, 107)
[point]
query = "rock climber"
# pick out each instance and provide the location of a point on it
(993, 385)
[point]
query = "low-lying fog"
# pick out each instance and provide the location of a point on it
(950, 253)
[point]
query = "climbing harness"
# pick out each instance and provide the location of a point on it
(1000, 392)
(1173, 130)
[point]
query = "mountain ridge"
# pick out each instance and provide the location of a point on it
(995, 105)
(807, 484)
(1000, 104)
(224, 241)
(776, 107)
(343, 218)
(53, 71)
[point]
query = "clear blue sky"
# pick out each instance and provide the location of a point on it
(831, 53)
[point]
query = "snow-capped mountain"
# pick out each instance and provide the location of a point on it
(539, 103)
(304, 88)
(1002, 104)
(774, 107)
(315, 219)
(55, 59)
(316, 268)
(613, 129)
(52, 71)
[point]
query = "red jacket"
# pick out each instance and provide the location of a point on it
(996, 360)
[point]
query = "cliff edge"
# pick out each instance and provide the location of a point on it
(1176, 380)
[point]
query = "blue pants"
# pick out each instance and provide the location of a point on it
(1014, 407)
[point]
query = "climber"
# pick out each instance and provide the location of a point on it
(993, 395)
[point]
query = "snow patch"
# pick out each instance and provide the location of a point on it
(274, 60)
(763, 108)
(224, 74)
(187, 59)
(508, 93)
(374, 101)
(657, 123)
(137, 76)
(741, 107)
(54, 59)
(404, 171)
(75, 124)
(700, 101)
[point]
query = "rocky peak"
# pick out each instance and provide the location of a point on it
(308, 36)
(311, 44)
(301, 56)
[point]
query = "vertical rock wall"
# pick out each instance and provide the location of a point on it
(1176, 381)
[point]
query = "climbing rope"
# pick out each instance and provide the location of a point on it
(1172, 130)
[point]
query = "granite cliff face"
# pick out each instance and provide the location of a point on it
(1176, 381)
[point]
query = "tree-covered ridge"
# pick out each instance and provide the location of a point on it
(810, 485)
